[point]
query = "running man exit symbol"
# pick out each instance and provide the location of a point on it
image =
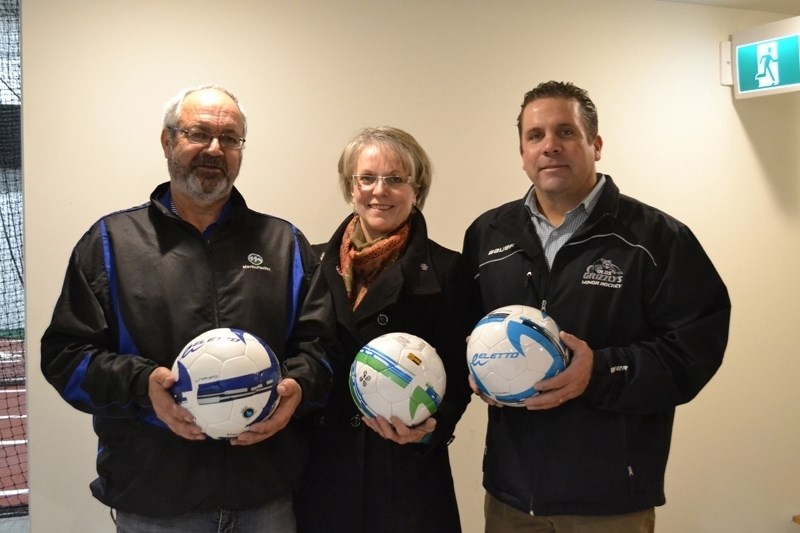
(768, 74)
(768, 64)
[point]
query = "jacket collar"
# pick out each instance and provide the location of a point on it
(161, 198)
(607, 204)
(515, 215)
(413, 273)
(514, 220)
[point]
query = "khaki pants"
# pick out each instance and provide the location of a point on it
(502, 518)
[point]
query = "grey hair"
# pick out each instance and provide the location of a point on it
(172, 111)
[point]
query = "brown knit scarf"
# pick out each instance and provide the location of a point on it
(361, 261)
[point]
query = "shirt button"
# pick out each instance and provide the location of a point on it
(383, 319)
(355, 421)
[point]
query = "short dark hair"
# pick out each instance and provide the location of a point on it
(567, 91)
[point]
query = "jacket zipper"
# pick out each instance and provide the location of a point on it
(210, 264)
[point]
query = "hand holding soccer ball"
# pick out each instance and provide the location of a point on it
(178, 419)
(396, 431)
(570, 383)
(290, 394)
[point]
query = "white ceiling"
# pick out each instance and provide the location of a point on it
(787, 7)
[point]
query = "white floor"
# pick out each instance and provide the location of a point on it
(16, 524)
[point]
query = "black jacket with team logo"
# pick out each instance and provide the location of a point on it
(636, 285)
(140, 284)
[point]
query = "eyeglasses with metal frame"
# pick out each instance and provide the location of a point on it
(368, 181)
(198, 136)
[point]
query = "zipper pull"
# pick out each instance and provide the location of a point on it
(544, 306)
(528, 279)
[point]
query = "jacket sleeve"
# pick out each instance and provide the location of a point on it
(469, 274)
(451, 345)
(687, 310)
(311, 339)
(78, 348)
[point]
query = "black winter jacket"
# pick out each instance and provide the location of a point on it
(636, 285)
(140, 284)
(358, 482)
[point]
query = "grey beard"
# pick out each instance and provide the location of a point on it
(192, 186)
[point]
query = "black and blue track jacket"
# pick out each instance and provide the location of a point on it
(139, 285)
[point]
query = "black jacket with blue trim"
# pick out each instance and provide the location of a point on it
(636, 285)
(140, 284)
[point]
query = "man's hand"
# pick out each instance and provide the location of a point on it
(397, 431)
(479, 394)
(568, 384)
(177, 419)
(290, 396)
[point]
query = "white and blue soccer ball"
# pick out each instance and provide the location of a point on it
(398, 374)
(227, 378)
(511, 349)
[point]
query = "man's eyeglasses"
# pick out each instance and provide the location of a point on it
(367, 182)
(226, 140)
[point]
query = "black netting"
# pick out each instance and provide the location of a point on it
(13, 435)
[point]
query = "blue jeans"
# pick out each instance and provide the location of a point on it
(275, 517)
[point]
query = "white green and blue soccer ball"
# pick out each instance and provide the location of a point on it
(511, 349)
(227, 378)
(398, 374)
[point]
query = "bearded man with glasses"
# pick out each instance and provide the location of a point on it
(143, 282)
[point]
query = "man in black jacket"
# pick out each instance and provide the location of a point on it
(143, 282)
(643, 311)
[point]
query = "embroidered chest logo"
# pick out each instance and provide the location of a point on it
(603, 273)
(501, 249)
(256, 263)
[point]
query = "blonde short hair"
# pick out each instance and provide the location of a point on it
(414, 159)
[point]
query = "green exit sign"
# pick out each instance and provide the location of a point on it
(766, 59)
(769, 64)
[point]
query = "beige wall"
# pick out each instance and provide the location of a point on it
(96, 74)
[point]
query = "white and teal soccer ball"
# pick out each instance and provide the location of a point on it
(511, 349)
(400, 375)
(227, 379)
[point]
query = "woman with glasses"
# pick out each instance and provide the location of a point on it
(386, 275)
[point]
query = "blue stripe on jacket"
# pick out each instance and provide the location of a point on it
(125, 344)
(298, 273)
